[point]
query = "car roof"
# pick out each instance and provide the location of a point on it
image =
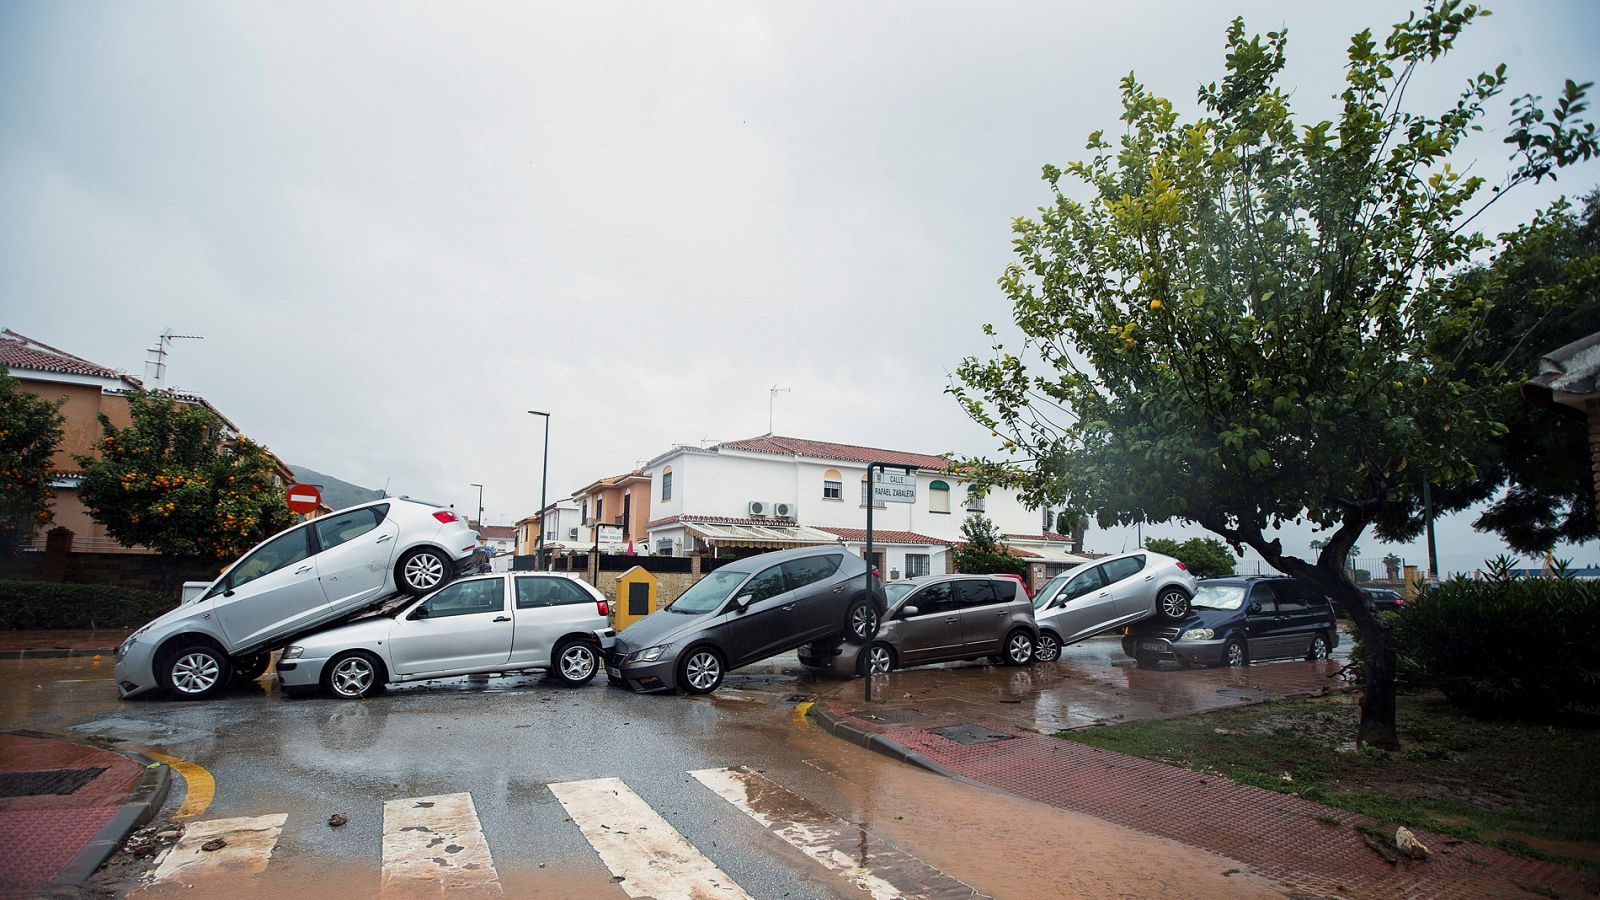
(781, 556)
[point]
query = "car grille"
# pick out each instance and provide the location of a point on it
(1170, 632)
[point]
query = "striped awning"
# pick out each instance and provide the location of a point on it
(769, 536)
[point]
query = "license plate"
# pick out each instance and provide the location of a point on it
(613, 671)
(1152, 645)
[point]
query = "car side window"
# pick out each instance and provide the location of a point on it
(281, 551)
(335, 530)
(542, 590)
(766, 585)
(1292, 597)
(935, 598)
(976, 592)
(1264, 594)
(1084, 582)
(810, 570)
(1127, 567)
(467, 597)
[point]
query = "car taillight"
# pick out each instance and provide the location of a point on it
(603, 607)
(1182, 566)
(445, 516)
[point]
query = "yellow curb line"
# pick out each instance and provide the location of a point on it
(201, 787)
(798, 716)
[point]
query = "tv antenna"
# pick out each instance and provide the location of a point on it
(772, 394)
(155, 366)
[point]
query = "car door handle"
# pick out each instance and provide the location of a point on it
(1149, 577)
(502, 618)
(790, 606)
(1103, 594)
(839, 589)
(1002, 613)
(302, 570)
(382, 539)
(952, 620)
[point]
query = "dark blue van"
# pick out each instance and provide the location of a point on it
(1233, 621)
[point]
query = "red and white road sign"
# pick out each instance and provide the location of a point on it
(304, 498)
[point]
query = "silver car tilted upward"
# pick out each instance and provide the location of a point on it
(1109, 593)
(307, 576)
(486, 624)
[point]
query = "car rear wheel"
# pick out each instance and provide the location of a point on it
(1319, 648)
(576, 663)
(1173, 604)
(1048, 647)
(249, 668)
(195, 670)
(422, 571)
(1019, 648)
(1233, 654)
(352, 676)
(876, 659)
(861, 622)
(701, 671)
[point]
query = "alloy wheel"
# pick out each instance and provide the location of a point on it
(864, 622)
(353, 677)
(703, 670)
(424, 571)
(1235, 654)
(1020, 648)
(577, 663)
(195, 673)
(1048, 649)
(1319, 647)
(1174, 605)
(878, 659)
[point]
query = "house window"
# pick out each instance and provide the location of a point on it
(865, 493)
(666, 484)
(832, 485)
(585, 515)
(939, 497)
(974, 498)
(916, 564)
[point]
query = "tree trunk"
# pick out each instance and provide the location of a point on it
(1377, 728)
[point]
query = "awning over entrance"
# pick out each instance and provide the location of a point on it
(767, 536)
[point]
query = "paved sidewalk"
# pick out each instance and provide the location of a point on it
(29, 644)
(66, 805)
(994, 726)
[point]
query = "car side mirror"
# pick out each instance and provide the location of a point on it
(908, 612)
(1255, 608)
(743, 601)
(228, 592)
(420, 612)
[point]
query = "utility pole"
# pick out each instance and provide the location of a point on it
(772, 394)
(1427, 518)
(544, 478)
(480, 502)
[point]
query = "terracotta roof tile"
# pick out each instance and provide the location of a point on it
(22, 352)
(1046, 536)
(789, 446)
(497, 532)
(883, 537)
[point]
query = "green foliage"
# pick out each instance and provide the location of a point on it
(1507, 646)
(30, 431)
(1205, 557)
(176, 482)
(47, 604)
(983, 553)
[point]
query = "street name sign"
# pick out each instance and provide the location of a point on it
(894, 487)
(608, 534)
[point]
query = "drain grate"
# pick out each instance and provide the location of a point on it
(893, 715)
(971, 734)
(52, 781)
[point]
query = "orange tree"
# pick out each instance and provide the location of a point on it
(176, 481)
(1233, 321)
(30, 430)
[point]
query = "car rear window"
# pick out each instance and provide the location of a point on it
(1127, 567)
(980, 592)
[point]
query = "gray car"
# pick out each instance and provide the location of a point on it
(939, 618)
(1110, 593)
(744, 612)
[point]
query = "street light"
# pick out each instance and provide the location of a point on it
(480, 501)
(543, 477)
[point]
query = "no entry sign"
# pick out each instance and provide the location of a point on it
(304, 498)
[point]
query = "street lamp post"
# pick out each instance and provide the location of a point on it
(544, 474)
(480, 502)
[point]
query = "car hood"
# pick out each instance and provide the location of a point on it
(659, 627)
(356, 633)
(1202, 617)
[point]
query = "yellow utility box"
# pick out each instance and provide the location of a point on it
(637, 591)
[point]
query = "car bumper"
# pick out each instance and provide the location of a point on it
(1206, 653)
(645, 678)
(135, 671)
(300, 673)
(838, 660)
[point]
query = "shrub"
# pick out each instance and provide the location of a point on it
(1506, 645)
(47, 604)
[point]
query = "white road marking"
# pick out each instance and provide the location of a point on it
(639, 847)
(433, 845)
(870, 863)
(248, 846)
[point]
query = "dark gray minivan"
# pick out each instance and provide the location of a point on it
(744, 612)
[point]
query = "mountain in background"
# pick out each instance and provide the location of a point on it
(337, 494)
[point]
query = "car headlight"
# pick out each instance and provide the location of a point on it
(292, 652)
(1198, 634)
(648, 654)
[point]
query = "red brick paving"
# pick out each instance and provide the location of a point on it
(1277, 834)
(43, 833)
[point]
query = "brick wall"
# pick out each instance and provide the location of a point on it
(671, 584)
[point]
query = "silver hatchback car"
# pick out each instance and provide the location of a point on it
(1110, 593)
(939, 618)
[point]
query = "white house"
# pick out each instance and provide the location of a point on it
(564, 530)
(772, 492)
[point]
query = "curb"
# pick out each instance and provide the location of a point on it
(57, 652)
(861, 737)
(143, 802)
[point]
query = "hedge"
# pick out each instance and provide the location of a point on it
(48, 604)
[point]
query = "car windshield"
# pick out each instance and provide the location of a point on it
(1049, 591)
(708, 593)
(898, 590)
(1219, 596)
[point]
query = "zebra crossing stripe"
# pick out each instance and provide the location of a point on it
(881, 869)
(433, 845)
(247, 845)
(650, 857)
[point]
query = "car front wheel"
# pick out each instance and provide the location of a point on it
(1319, 648)
(576, 663)
(1173, 604)
(352, 676)
(877, 659)
(1233, 654)
(701, 671)
(195, 671)
(1019, 648)
(423, 570)
(1048, 648)
(250, 668)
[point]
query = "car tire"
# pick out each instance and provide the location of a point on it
(877, 658)
(1172, 604)
(195, 669)
(421, 571)
(355, 675)
(249, 668)
(1019, 647)
(701, 670)
(576, 663)
(1234, 654)
(861, 620)
(1320, 647)
(1146, 662)
(1047, 648)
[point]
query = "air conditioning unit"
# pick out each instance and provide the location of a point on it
(572, 534)
(759, 508)
(783, 510)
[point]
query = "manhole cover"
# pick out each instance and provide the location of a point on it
(53, 781)
(894, 715)
(971, 734)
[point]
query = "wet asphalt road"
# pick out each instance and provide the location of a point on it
(505, 739)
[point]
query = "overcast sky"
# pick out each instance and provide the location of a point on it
(398, 226)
